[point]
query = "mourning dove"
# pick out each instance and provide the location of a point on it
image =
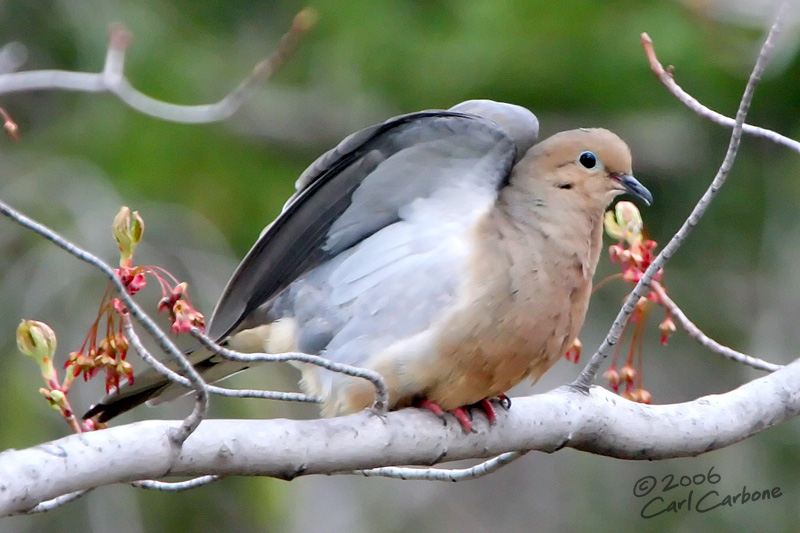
(445, 250)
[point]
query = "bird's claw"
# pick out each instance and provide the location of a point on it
(464, 418)
(463, 414)
(460, 413)
(505, 401)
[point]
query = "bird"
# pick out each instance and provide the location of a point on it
(447, 250)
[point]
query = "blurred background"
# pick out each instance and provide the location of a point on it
(206, 191)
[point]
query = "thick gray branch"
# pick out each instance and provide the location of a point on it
(599, 422)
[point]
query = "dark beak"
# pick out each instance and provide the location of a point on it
(632, 185)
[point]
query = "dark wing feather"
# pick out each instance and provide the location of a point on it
(299, 239)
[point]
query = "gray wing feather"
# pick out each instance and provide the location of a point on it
(519, 123)
(372, 180)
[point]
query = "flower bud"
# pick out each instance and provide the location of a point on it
(573, 354)
(127, 230)
(57, 397)
(12, 130)
(306, 19)
(37, 340)
(629, 220)
(667, 328)
(642, 396)
(627, 374)
(613, 378)
(615, 252)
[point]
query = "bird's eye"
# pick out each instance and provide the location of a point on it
(588, 159)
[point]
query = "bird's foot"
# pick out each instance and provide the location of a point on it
(463, 415)
(432, 407)
(486, 406)
(460, 413)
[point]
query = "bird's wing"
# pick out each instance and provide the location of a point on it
(363, 186)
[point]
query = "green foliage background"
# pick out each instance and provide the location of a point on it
(207, 190)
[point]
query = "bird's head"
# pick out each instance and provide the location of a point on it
(585, 167)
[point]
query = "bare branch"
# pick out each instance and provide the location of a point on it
(194, 381)
(147, 323)
(381, 391)
(707, 341)
(112, 78)
(599, 422)
(442, 474)
(264, 394)
(665, 76)
(177, 486)
(173, 376)
(588, 374)
(55, 503)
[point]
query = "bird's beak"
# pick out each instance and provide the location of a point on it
(632, 185)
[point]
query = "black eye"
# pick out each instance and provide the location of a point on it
(588, 159)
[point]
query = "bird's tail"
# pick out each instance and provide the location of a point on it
(153, 388)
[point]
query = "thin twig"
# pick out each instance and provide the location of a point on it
(441, 474)
(694, 332)
(193, 380)
(175, 486)
(177, 378)
(55, 503)
(381, 391)
(584, 381)
(112, 79)
(72, 420)
(146, 322)
(303, 22)
(665, 76)
(265, 395)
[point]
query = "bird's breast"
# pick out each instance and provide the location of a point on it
(520, 303)
(521, 307)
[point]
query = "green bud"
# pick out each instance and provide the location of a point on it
(629, 220)
(57, 397)
(127, 230)
(306, 19)
(38, 341)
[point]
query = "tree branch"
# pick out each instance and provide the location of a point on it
(173, 376)
(193, 381)
(175, 486)
(599, 422)
(441, 474)
(589, 373)
(112, 79)
(694, 332)
(665, 76)
(381, 390)
(57, 502)
(147, 323)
